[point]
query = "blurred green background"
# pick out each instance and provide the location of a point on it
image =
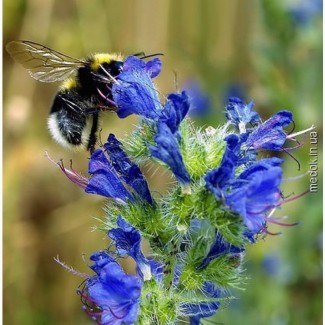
(269, 51)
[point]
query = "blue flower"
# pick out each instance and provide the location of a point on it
(251, 194)
(127, 240)
(112, 297)
(129, 172)
(219, 247)
(197, 311)
(270, 135)
(219, 179)
(240, 114)
(254, 194)
(167, 150)
(175, 110)
(107, 176)
(134, 92)
(104, 180)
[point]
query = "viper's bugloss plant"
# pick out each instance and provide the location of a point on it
(224, 196)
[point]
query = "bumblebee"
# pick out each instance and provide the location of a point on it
(74, 116)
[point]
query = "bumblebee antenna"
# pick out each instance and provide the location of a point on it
(150, 55)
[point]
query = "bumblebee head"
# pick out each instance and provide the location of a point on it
(106, 64)
(100, 69)
(113, 68)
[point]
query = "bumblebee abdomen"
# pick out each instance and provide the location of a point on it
(69, 123)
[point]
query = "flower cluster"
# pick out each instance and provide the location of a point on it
(222, 199)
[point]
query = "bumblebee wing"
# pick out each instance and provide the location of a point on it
(43, 63)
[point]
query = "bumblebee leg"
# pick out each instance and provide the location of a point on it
(93, 133)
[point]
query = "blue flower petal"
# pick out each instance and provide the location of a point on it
(116, 293)
(220, 247)
(127, 240)
(255, 195)
(234, 151)
(100, 259)
(167, 150)
(270, 135)
(261, 165)
(199, 310)
(135, 93)
(153, 67)
(218, 179)
(157, 270)
(129, 172)
(104, 180)
(237, 112)
(175, 110)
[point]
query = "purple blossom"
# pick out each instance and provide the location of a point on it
(134, 92)
(111, 297)
(270, 135)
(167, 150)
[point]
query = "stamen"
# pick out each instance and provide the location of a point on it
(70, 269)
(294, 198)
(293, 135)
(265, 230)
(111, 102)
(274, 221)
(295, 159)
(74, 177)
